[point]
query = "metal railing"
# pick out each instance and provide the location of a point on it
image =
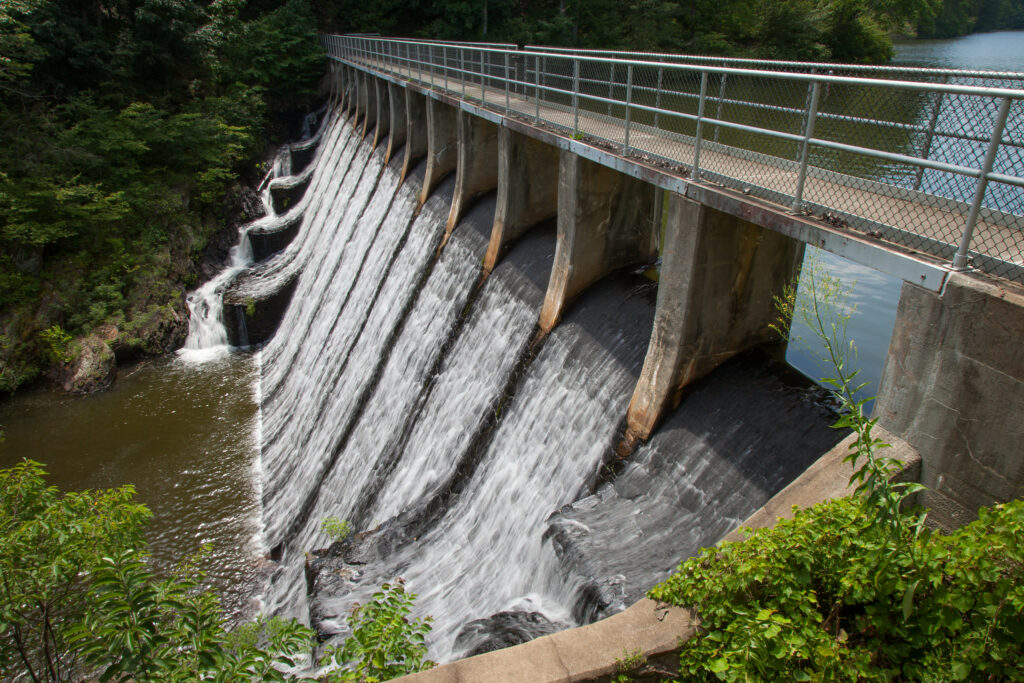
(931, 159)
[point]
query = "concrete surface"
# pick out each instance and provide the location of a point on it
(396, 101)
(442, 145)
(415, 131)
(527, 190)
(953, 387)
(380, 92)
(477, 166)
(718, 276)
(605, 222)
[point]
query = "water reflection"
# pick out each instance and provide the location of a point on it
(183, 435)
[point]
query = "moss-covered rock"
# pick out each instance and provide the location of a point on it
(92, 368)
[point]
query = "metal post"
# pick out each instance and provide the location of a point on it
(805, 145)
(507, 84)
(462, 70)
(483, 80)
(657, 95)
(536, 89)
(960, 260)
(700, 120)
(575, 96)
(430, 64)
(930, 135)
(718, 109)
(629, 101)
(611, 88)
(444, 59)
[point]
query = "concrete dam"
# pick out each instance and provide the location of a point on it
(466, 356)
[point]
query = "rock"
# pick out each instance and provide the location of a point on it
(502, 630)
(92, 369)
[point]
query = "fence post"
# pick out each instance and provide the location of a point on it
(960, 259)
(462, 70)
(718, 109)
(805, 145)
(537, 63)
(430, 64)
(930, 135)
(629, 101)
(483, 79)
(700, 120)
(657, 96)
(508, 84)
(575, 96)
(444, 60)
(611, 88)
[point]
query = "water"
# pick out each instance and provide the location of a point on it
(187, 438)
(998, 51)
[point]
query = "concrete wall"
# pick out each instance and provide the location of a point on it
(953, 387)
(415, 130)
(476, 166)
(398, 122)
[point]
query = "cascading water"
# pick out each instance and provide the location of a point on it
(409, 395)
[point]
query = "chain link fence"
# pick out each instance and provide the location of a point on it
(930, 159)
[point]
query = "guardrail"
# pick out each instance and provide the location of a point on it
(901, 153)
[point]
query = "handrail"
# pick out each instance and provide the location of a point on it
(880, 143)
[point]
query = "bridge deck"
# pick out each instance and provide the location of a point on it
(923, 222)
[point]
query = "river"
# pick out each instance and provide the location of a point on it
(186, 435)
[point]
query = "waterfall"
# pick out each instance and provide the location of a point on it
(410, 395)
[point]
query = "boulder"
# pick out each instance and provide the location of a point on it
(92, 369)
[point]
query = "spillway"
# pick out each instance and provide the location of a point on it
(410, 394)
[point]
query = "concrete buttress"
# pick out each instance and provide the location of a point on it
(476, 171)
(369, 100)
(415, 130)
(718, 276)
(396, 109)
(527, 190)
(442, 145)
(380, 88)
(605, 222)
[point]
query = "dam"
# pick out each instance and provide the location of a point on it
(466, 357)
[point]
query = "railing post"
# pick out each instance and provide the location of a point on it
(629, 101)
(718, 109)
(657, 96)
(537, 63)
(700, 121)
(430, 64)
(575, 96)
(462, 70)
(930, 135)
(611, 88)
(508, 84)
(483, 79)
(444, 60)
(805, 145)
(960, 259)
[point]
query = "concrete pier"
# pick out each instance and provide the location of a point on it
(398, 119)
(527, 190)
(383, 111)
(477, 164)
(369, 104)
(718, 276)
(605, 222)
(442, 145)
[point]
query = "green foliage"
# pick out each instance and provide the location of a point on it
(831, 595)
(336, 529)
(856, 588)
(78, 597)
(58, 343)
(50, 544)
(385, 643)
(124, 126)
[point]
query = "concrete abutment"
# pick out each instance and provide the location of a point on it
(953, 387)
(415, 130)
(397, 119)
(383, 111)
(369, 99)
(442, 145)
(718, 276)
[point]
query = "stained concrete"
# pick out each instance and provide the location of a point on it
(415, 131)
(396, 108)
(442, 145)
(718, 276)
(380, 92)
(605, 222)
(527, 190)
(477, 164)
(953, 387)
(369, 99)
